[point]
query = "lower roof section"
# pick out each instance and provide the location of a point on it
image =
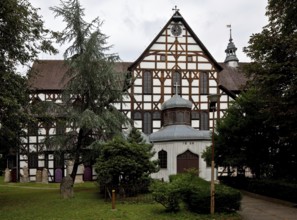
(179, 133)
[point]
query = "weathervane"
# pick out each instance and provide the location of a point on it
(175, 9)
(229, 26)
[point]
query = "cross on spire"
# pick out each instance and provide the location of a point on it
(176, 88)
(175, 9)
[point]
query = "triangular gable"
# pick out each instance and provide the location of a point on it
(177, 18)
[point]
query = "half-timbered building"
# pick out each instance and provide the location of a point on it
(175, 64)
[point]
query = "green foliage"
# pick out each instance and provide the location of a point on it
(194, 192)
(207, 155)
(93, 84)
(167, 194)
(23, 35)
(273, 74)
(243, 139)
(280, 189)
(124, 164)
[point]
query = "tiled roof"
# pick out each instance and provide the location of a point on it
(50, 75)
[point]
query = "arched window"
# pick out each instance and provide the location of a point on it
(203, 83)
(162, 156)
(147, 83)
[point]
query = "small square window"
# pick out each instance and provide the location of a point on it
(162, 57)
(190, 58)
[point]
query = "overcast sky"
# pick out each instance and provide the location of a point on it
(132, 24)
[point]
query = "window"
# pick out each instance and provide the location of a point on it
(60, 127)
(162, 156)
(176, 80)
(204, 124)
(147, 123)
(203, 83)
(147, 82)
(137, 116)
(33, 128)
(162, 57)
(33, 160)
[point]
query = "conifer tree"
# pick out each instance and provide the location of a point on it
(92, 87)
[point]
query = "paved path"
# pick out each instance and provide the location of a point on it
(254, 207)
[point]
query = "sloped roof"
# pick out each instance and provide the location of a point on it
(176, 102)
(232, 78)
(179, 133)
(177, 16)
(51, 74)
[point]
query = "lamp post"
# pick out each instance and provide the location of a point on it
(212, 99)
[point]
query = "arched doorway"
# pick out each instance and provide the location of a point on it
(187, 160)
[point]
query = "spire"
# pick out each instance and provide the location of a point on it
(231, 58)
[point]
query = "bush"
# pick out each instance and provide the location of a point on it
(195, 193)
(280, 189)
(167, 194)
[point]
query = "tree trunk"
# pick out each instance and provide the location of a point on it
(77, 154)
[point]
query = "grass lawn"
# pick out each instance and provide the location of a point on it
(42, 201)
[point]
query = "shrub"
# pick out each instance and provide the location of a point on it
(167, 194)
(195, 193)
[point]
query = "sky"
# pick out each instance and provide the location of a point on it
(132, 24)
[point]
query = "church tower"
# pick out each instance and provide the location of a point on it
(231, 58)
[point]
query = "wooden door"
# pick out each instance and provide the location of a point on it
(187, 160)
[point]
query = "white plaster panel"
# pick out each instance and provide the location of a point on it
(41, 163)
(138, 98)
(191, 40)
(161, 65)
(202, 59)
(212, 90)
(185, 90)
(32, 171)
(138, 123)
(129, 114)
(182, 58)
(224, 105)
(167, 89)
(167, 82)
(212, 82)
(23, 164)
(204, 98)
(42, 131)
(166, 97)
(137, 82)
(158, 47)
(117, 105)
(161, 39)
(156, 82)
(156, 90)
(170, 58)
(136, 106)
(194, 48)
(204, 66)
(170, 65)
(224, 98)
(23, 157)
(204, 106)
(195, 90)
(147, 98)
(147, 106)
(126, 106)
(156, 98)
(191, 66)
(137, 89)
(51, 164)
(182, 65)
(150, 57)
(156, 124)
(41, 96)
(195, 123)
(51, 131)
(195, 98)
(32, 139)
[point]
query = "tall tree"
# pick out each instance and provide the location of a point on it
(22, 37)
(274, 73)
(93, 84)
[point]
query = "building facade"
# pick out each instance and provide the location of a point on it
(175, 63)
